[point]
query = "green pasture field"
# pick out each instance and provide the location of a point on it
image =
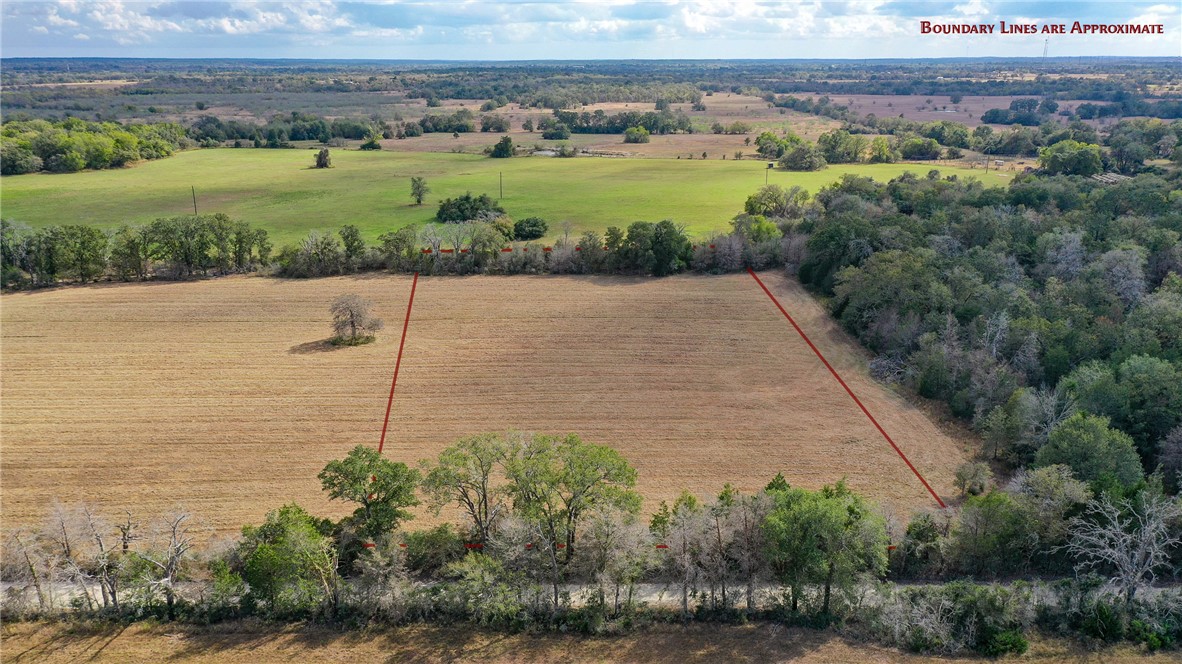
(278, 190)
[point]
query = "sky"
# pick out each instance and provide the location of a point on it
(563, 30)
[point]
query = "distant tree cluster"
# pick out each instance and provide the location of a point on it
(599, 122)
(1029, 112)
(176, 247)
(280, 130)
(73, 145)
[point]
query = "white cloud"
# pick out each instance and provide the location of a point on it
(557, 28)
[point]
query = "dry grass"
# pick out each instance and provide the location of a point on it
(934, 108)
(224, 397)
(722, 107)
(672, 644)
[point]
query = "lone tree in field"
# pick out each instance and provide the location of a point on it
(503, 149)
(419, 189)
(351, 322)
(323, 160)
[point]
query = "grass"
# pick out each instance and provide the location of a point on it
(278, 189)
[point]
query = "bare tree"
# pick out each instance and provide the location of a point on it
(460, 235)
(431, 236)
(684, 536)
(105, 565)
(1124, 271)
(1133, 538)
(351, 321)
(714, 555)
(1051, 407)
(25, 562)
(616, 551)
(66, 534)
(174, 541)
(1066, 255)
(748, 541)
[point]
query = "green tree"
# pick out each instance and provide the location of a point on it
(503, 149)
(1153, 388)
(289, 562)
(755, 228)
(555, 481)
(373, 142)
(381, 487)
(131, 252)
(1071, 158)
(831, 537)
(841, 147)
(920, 148)
(636, 135)
(990, 537)
(803, 157)
(881, 151)
(85, 252)
(465, 474)
(418, 189)
(1086, 444)
(774, 201)
(323, 158)
(353, 244)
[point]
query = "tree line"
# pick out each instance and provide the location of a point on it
(73, 145)
(547, 532)
(174, 247)
(1131, 141)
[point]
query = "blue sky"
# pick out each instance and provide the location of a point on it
(603, 29)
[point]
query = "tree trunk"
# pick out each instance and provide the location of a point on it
(36, 579)
(828, 585)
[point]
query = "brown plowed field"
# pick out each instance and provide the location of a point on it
(221, 395)
(265, 643)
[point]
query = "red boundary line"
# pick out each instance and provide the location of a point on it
(398, 362)
(847, 387)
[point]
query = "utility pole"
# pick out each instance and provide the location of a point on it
(194, 201)
(501, 180)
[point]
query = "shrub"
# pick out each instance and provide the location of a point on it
(530, 228)
(558, 132)
(803, 157)
(636, 135)
(467, 207)
(503, 149)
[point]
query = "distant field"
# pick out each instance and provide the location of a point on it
(933, 108)
(221, 395)
(277, 189)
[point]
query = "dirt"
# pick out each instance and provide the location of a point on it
(222, 396)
